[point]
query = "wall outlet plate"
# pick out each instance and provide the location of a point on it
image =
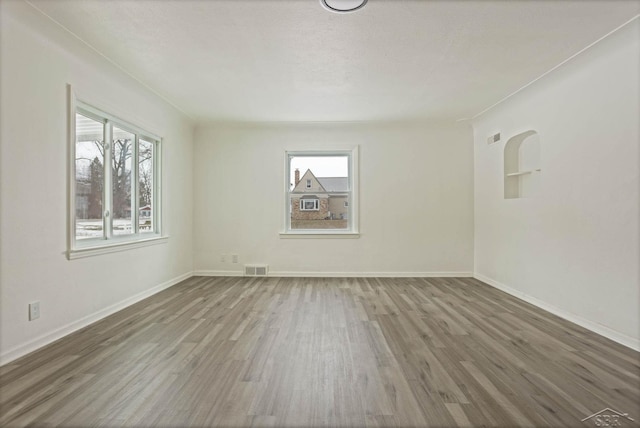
(34, 311)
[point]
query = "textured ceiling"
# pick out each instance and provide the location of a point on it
(291, 60)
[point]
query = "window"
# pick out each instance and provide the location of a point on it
(321, 193)
(309, 205)
(115, 186)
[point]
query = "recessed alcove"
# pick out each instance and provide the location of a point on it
(522, 165)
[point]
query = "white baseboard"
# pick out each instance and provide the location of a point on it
(339, 274)
(600, 329)
(371, 274)
(218, 273)
(58, 333)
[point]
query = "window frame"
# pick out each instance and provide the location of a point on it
(316, 204)
(110, 242)
(352, 230)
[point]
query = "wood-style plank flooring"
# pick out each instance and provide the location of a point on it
(301, 352)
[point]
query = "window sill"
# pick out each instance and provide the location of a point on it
(95, 250)
(319, 235)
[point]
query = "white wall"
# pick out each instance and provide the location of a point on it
(38, 61)
(416, 199)
(574, 247)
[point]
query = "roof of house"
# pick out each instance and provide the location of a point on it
(327, 184)
(334, 184)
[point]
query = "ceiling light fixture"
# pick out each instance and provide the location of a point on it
(343, 6)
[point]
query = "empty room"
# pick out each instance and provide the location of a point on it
(314, 213)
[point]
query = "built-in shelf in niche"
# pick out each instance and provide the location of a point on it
(514, 174)
(522, 165)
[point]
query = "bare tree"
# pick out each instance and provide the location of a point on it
(145, 174)
(96, 188)
(121, 178)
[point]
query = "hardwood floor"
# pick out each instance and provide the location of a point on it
(379, 352)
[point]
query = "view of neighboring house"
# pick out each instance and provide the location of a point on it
(319, 198)
(145, 212)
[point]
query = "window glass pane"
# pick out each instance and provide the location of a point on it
(145, 186)
(89, 176)
(319, 187)
(121, 160)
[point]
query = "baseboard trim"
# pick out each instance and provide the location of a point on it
(39, 342)
(340, 274)
(600, 329)
(218, 273)
(370, 274)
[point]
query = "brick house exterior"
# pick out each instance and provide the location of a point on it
(320, 214)
(314, 198)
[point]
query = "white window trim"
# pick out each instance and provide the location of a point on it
(308, 183)
(353, 213)
(102, 245)
(316, 204)
(114, 247)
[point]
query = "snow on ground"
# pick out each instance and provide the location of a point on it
(93, 228)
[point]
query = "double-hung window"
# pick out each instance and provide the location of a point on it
(321, 193)
(115, 183)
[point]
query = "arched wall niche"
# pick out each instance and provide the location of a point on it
(522, 165)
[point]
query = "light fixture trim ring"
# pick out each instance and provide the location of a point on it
(336, 10)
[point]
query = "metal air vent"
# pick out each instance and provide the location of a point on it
(256, 270)
(493, 138)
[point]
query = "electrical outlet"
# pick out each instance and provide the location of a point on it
(34, 311)
(234, 258)
(223, 258)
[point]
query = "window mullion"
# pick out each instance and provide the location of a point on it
(289, 199)
(108, 183)
(135, 184)
(156, 192)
